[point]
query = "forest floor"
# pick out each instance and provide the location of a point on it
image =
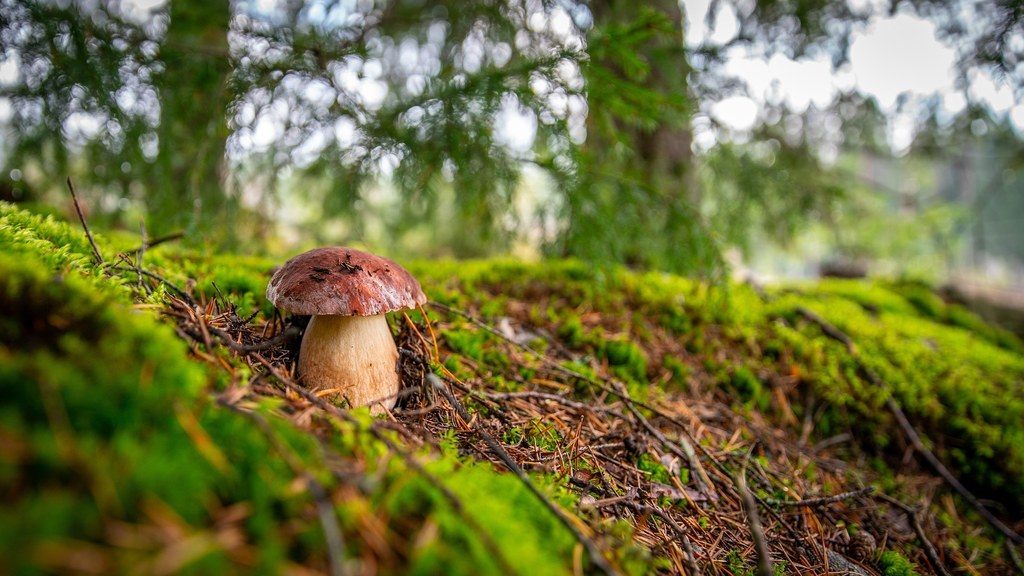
(554, 419)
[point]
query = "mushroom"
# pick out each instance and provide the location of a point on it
(347, 348)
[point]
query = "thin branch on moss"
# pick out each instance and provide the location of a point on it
(948, 476)
(81, 217)
(141, 255)
(147, 243)
(824, 500)
(181, 293)
(829, 330)
(929, 548)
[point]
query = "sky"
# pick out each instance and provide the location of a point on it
(894, 55)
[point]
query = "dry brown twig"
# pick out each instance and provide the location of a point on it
(824, 500)
(765, 564)
(912, 516)
(81, 218)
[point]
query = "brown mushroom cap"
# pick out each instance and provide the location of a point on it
(343, 281)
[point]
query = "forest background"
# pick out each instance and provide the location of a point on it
(558, 128)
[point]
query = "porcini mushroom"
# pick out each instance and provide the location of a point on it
(347, 348)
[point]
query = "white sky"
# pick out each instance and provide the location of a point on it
(893, 56)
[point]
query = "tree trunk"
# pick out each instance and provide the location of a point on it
(637, 165)
(189, 178)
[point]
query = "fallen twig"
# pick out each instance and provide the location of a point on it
(765, 565)
(824, 500)
(147, 243)
(929, 548)
(267, 344)
(829, 330)
(690, 558)
(932, 459)
(81, 217)
(181, 293)
(1014, 557)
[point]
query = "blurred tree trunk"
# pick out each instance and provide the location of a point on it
(190, 167)
(664, 148)
(637, 161)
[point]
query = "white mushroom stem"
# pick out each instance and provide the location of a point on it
(353, 357)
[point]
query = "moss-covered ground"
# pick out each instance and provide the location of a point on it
(139, 437)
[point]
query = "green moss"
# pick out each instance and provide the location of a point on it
(893, 563)
(571, 332)
(468, 343)
(737, 565)
(678, 370)
(517, 522)
(543, 435)
(626, 358)
(748, 387)
(656, 469)
(112, 419)
(959, 387)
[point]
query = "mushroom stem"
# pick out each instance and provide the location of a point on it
(353, 357)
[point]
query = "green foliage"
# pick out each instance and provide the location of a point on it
(771, 186)
(399, 97)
